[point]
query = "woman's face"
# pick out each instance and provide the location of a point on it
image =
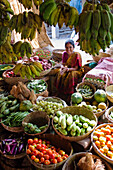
(69, 48)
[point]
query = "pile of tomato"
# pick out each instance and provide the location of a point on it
(41, 151)
(103, 138)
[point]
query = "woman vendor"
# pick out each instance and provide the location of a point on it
(70, 71)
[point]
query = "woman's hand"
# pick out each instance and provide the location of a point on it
(63, 70)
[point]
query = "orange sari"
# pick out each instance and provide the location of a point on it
(66, 83)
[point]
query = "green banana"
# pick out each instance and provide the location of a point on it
(106, 21)
(96, 19)
(44, 5)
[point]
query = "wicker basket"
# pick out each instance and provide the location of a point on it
(109, 91)
(70, 164)
(13, 129)
(107, 113)
(78, 111)
(95, 147)
(38, 118)
(58, 142)
(12, 80)
(45, 72)
(44, 50)
(101, 55)
(57, 53)
(89, 84)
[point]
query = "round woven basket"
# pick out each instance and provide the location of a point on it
(12, 80)
(78, 111)
(101, 55)
(42, 57)
(38, 118)
(107, 113)
(58, 142)
(109, 91)
(89, 84)
(13, 129)
(95, 147)
(70, 164)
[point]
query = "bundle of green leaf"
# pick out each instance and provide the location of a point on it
(15, 119)
(37, 85)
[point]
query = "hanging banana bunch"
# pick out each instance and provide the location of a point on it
(7, 54)
(26, 23)
(5, 11)
(95, 28)
(28, 70)
(22, 49)
(58, 12)
(29, 3)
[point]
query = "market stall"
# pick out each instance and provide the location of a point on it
(40, 127)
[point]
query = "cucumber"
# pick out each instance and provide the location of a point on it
(62, 131)
(15, 107)
(63, 122)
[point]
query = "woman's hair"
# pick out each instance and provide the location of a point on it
(70, 42)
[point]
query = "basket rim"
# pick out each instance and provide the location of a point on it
(108, 96)
(87, 83)
(83, 154)
(48, 122)
(95, 147)
(75, 138)
(18, 156)
(107, 114)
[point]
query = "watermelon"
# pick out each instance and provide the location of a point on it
(76, 98)
(100, 96)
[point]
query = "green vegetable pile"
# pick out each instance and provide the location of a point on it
(37, 85)
(85, 90)
(69, 125)
(48, 107)
(33, 129)
(8, 105)
(6, 67)
(15, 119)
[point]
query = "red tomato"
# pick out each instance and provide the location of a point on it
(35, 140)
(52, 156)
(66, 155)
(61, 152)
(42, 149)
(44, 152)
(33, 157)
(32, 148)
(54, 161)
(46, 156)
(108, 137)
(44, 142)
(35, 152)
(47, 162)
(42, 159)
(36, 160)
(34, 144)
(59, 159)
(40, 141)
(49, 152)
(38, 146)
(40, 155)
(30, 141)
(28, 151)
(43, 145)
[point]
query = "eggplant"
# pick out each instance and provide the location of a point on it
(7, 148)
(8, 140)
(3, 145)
(21, 147)
(4, 152)
(12, 142)
(13, 148)
(15, 151)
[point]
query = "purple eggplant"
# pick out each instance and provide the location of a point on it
(8, 140)
(15, 151)
(21, 147)
(13, 148)
(4, 152)
(7, 148)
(12, 142)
